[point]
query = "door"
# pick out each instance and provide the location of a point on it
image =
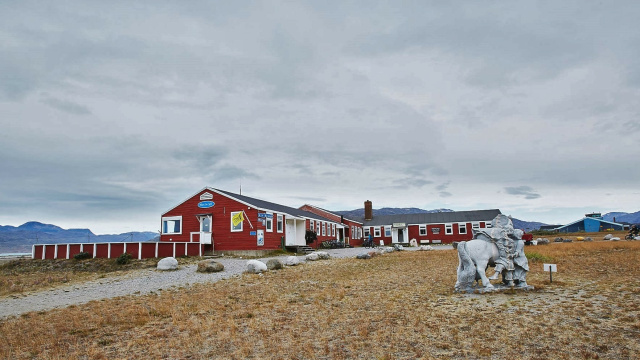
(290, 232)
(205, 229)
(400, 235)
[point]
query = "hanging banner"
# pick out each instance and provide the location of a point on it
(237, 218)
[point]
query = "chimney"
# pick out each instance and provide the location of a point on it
(368, 210)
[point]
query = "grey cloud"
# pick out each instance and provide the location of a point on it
(66, 106)
(445, 194)
(524, 190)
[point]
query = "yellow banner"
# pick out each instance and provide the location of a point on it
(237, 218)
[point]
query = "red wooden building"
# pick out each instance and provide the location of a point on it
(226, 222)
(426, 228)
(350, 232)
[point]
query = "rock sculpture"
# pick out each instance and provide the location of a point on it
(501, 246)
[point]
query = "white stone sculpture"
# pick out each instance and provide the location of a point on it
(501, 246)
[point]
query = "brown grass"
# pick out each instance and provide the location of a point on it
(396, 306)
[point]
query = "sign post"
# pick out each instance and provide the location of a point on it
(551, 268)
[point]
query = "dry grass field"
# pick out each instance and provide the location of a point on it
(397, 306)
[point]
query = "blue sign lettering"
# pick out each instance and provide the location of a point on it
(205, 204)
(263, 215)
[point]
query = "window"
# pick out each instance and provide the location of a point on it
(311, 225)
(475, 225)
(423, 230)
(462, 228)
(333, 230)
(366, 232)
(376, 231)
(448, 229)
(324, 228)
(237, 218)
(435, 230)
(269, 222)
(279, 223)
(487, 224)
(387, 231)
(359, 233)
(353, 232)
(318, 228)
(172, 225)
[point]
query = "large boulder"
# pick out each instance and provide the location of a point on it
(425, 247)
(558, 239)
(615, 239)
(389, 249)
(542, 241)
(364, 256)
(588, 239)
(256, 267)
(274, 264)
(398, 247)
(292, 261)
(323, 255)
(169, 263)
(607, 237)
(567, 240)
(209, 266)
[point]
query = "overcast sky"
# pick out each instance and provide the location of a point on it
(111, 112)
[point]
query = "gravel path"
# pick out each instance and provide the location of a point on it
(137, 282)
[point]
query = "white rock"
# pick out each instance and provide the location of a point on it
(534, 242)
(615, 239)
(608, 237)
(413, 243)
(169, 263)
(292, 261)
(312, 257)
(323, 255)
(426, 247)
(256, 266)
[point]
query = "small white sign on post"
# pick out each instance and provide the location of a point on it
(551, 268)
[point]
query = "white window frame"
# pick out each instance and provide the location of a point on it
(269, 222)
(387, 230)
(280, 223)
(475, 225)
(462, 226)
(324, 228)
(448, 229)
(422, 229)
(376, 232)
(359, 233)
(318, 228)
(487, 224)
(333, 229)
(231, 222)
(367, 231)
(171, 218)
(311, 225)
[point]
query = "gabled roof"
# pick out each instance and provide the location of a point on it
(590, 218)
(334, 214)
(269, 206)
(434, 218)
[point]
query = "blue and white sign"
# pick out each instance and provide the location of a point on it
(264, 215)
(260, 238)
(252, 233)
(205, 204)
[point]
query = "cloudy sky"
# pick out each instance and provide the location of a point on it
(113, 112)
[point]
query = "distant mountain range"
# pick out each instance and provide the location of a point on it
(631, 218)
(19, 239)
(359, 213)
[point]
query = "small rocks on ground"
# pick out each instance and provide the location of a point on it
(169, 263)
(209, 266)
(274, 264)
(256, 267)
(364, 256)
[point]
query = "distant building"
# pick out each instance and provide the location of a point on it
(592, 222)
(426, 228)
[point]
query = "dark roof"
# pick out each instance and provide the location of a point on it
(273, 206)
(549, 227)
(434, 218)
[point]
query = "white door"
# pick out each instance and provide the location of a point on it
(205, 229)
(290, 232)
